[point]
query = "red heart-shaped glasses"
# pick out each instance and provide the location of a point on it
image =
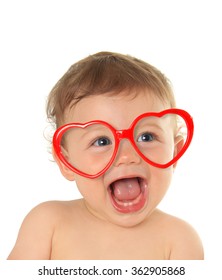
(159, 138)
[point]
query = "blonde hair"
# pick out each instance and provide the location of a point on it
(102, 73)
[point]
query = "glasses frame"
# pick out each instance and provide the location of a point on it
(124, 134)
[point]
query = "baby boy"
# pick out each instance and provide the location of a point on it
(118, 136)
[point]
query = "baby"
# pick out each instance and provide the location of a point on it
(118, 136)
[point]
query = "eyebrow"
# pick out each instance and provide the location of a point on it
(153, 125)
(93, 130)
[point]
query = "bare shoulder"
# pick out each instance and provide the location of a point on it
(35, 235)
(184, 242)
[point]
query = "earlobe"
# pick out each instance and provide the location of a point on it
(66, 172)
(178, 145)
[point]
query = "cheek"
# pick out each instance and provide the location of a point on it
(92, 190)
(160, 182)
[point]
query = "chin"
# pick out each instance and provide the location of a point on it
(131, 219)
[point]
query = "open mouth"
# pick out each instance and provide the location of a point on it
(128, 194)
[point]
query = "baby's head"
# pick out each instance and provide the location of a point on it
(106, 73)
(117, 134)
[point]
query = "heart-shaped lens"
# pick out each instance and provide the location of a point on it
(87, 149)
(161, 139)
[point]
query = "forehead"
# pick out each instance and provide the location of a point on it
(118, 110)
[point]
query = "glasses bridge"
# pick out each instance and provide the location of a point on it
(125, 133)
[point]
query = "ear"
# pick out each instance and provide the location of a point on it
(66, 172)
(178, 145)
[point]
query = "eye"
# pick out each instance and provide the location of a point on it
(103, 141)
(146, 137)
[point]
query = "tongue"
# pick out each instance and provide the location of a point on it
(126, 189)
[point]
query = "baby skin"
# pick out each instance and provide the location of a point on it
(94, 227)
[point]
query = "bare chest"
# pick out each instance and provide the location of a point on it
(97, 242)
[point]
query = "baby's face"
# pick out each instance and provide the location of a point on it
(131, 188)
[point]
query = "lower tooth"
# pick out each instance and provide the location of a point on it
(125, 204)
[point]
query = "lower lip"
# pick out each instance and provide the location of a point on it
(130, 206)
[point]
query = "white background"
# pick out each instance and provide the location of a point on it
(41, 39)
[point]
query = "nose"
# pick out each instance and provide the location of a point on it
(126, 154)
